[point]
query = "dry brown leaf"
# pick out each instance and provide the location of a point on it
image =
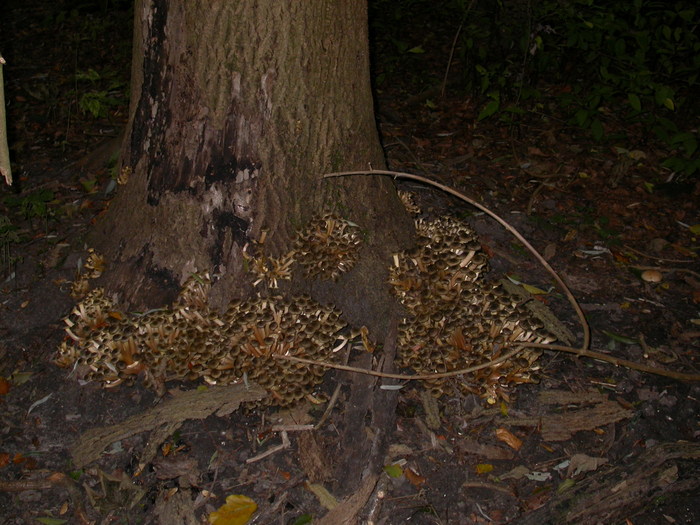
(583, 463)
(415, 478)
(509, 438)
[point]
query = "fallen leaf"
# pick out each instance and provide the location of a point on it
(583, 463)
(538, 476)
(518, 472)
(394, 471)
(19, 378)
(484, 468)
(415, 478)
(38, 403)
(621, 338)
(4, 459)
(549, 251)
(236, 511)
(532, 150)
(509, 438)
(4, 386)
(325, 498)
(533, 289)
(565, 485)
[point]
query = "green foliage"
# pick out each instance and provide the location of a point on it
(97, 101)
(34, 205)
(638, 60)
(37, 205)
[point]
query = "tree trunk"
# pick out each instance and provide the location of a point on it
(237, 110)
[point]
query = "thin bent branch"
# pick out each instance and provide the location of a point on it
(501, 221)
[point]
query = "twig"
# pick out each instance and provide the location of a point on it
(681, 376)
(682, 261)
(452, 49)
(452, 52)
(404, 377)
(329, 408)
(285, 444)
(502, 222)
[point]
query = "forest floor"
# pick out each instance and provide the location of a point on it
(589, 443)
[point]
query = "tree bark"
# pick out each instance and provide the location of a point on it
(237, 110)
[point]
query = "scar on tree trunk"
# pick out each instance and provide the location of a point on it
(237, 111)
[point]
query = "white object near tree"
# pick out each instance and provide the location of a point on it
(5, 168)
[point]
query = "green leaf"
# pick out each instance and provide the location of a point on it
(667, 32)
(489, 110)
(581, 117)
(690, 143)
(303, 519)
(597, 129)
(565, 485)
(394, 471)
(417, 50)
(634, 101)
(51, 521)
(669, 104)
(621, 338)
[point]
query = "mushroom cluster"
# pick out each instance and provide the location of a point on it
(328, 247)
(455, 320)
(189, 341)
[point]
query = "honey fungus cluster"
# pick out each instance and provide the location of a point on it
(455, 319)
(190, 341)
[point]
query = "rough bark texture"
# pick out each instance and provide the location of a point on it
(237, 110)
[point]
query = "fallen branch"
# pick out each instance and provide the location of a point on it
(164, 419)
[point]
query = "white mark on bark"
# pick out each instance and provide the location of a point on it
(268, 83)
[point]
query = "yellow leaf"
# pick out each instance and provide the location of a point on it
(533, 289)
(695, 229)
(484, 468)
(394, 471)
(236, 511)
(325, 498)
